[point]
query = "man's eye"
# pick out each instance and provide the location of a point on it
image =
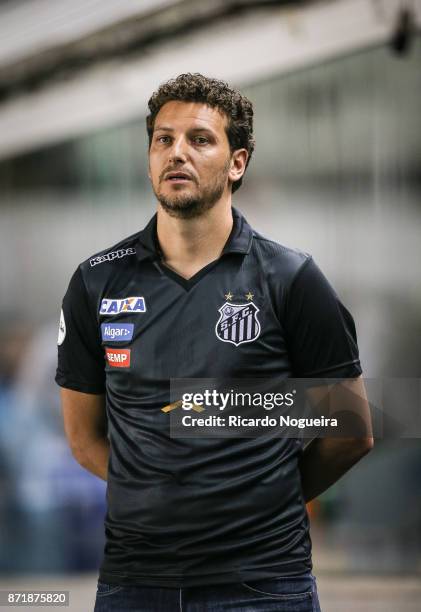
(200, 140)
(163, 139)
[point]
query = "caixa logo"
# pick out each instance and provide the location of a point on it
(129, 305)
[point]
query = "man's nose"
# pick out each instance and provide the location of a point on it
(178, 152)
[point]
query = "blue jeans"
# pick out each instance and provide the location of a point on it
(282, 594)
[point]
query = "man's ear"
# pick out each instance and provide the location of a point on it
(238, 164)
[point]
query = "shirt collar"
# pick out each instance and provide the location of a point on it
(239, 240)
(241, 236)
(147, 247)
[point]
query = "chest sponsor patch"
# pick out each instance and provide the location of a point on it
(129, 304)
(117, 332)
(238, 323)
(118, 358)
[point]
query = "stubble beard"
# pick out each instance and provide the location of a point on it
(186, 206)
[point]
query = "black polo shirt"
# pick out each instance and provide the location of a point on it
(188, 511)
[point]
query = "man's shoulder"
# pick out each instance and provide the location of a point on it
(278, 258)
(114, 254)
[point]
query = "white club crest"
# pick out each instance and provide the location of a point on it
(238, 323)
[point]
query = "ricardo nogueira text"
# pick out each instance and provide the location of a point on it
(266, 421)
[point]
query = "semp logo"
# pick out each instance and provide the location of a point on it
(130, 304)
(111, 256)
(118, 358)
(117, 332)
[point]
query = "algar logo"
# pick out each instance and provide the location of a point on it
(122, 306)
(117, 332)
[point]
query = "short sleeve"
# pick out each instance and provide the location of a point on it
(80, 355)
(321, 335)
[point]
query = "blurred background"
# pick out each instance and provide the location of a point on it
(336, 172)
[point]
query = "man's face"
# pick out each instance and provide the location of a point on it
(189, 158)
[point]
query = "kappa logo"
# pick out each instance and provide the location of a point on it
(238, 323)
(111, 256)
(117, 332)
(118, 358)
(129, 305)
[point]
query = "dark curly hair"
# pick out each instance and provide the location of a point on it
(215, 93)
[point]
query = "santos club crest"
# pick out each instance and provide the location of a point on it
(238, 323)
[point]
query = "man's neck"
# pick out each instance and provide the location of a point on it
(188, 245)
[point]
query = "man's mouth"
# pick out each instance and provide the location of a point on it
(177, 177)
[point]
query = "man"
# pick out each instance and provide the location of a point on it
(199, 524)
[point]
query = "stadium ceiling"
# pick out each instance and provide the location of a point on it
(41, 39)
(68, 67)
